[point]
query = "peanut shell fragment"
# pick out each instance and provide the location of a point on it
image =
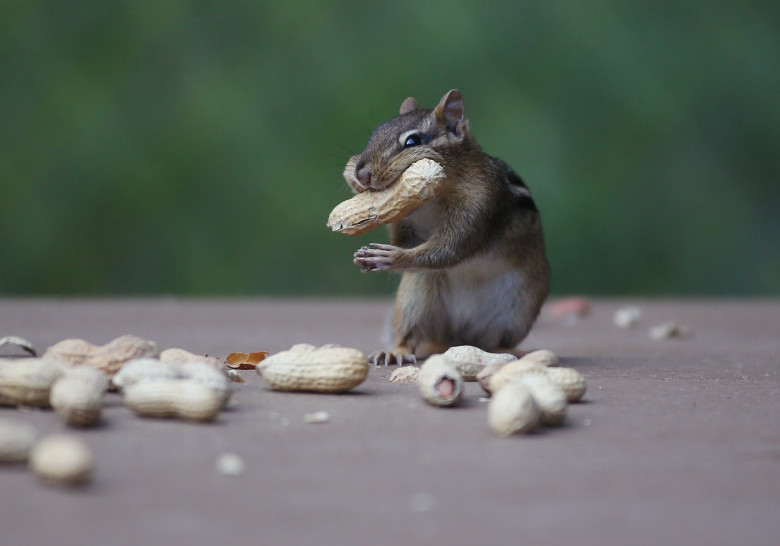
(230, 464)
(669, 330)
(245, 361)
(405, 374)
(369, 209)
(327, 369)
(627, 317)
(317, 417)
(19, 342)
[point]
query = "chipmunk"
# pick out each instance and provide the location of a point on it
(473, 263)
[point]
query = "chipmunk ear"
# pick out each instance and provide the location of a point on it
(409, 105)
(450, 112)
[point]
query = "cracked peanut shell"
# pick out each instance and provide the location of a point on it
(439, 382)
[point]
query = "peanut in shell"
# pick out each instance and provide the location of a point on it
(164, 398)
(27, 382)
(61, 460)
(327, 369)
(367, 210)
(108, 358)
(77, 396)
(470, 360)
(16, 440)
(512, 410)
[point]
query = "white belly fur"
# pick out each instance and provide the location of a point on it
(484, 301)
(480, 301)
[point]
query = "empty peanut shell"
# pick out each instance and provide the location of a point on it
(439, 382)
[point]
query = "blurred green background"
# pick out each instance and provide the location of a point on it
(184, 147)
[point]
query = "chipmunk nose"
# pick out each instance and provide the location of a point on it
(363, 176)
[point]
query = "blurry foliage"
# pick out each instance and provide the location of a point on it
(194, 147)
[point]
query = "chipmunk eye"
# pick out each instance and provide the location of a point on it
(412, 140)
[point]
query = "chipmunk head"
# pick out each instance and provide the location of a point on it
(413, 135)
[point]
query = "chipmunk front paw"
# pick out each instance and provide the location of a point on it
(376, 257)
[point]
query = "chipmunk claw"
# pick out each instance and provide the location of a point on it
(386, 358)
(375, 257)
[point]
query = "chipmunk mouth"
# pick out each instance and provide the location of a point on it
(375, 187)
(362, 178)
(385, 187)
(388, 182)
(356, 186)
